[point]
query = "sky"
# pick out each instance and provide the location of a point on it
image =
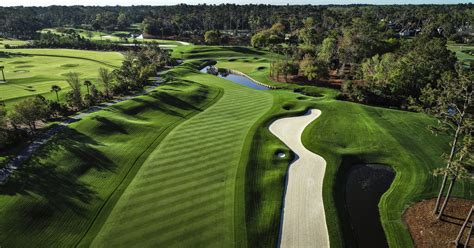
(173, 2)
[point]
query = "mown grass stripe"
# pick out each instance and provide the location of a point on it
(197, 160)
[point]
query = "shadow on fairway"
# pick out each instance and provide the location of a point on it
(58, 186)
(245, 50)
(107, 126)
(178, 103)
(165, 103)
(147, 105)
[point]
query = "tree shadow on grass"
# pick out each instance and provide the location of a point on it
(165, 102)
(136, 110)
(176, 102)
(244, 50)
(52, 174)
(108, 126)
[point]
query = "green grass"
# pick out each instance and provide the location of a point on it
(112, 36)
(77, 177)
(345, 134)
(215, 52)
(460, 49)
(11, 42)
(190, 188)
(214, 179)
(33, 71)
(349, 133)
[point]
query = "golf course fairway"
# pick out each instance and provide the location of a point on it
(304, 221)
(186, 191)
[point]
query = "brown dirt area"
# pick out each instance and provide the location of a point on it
(426, 231)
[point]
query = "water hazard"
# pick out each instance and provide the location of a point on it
(223, 73)
(365, 186)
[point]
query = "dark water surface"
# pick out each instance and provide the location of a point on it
(365, 186)
(234, 78)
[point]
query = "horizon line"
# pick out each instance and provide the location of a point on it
(239, 4)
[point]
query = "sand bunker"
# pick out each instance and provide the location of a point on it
(304, 219)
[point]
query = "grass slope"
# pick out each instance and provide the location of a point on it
(77, 177)
(32, 71)
(186, 193)
(215, 52)
(349, 133)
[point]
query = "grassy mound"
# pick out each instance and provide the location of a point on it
(215, 52)
(71, 185)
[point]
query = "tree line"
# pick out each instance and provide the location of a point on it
(192, 21)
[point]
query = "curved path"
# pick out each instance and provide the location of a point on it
(304, 220)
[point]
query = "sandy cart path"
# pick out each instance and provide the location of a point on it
(304, 220)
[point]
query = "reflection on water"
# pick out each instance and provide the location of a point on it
(223, 73)
(365, 186)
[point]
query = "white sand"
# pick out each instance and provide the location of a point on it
(304, 220)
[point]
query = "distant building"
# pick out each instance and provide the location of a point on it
(405, 33)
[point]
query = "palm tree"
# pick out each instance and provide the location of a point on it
(56, 88)
(87, 83)
(3, 74)
(106, 79)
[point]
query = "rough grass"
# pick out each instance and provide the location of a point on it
(189, 191)
(74, 181)
(33, 71)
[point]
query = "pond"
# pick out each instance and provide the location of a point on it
(233, 77)
(366, 183)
